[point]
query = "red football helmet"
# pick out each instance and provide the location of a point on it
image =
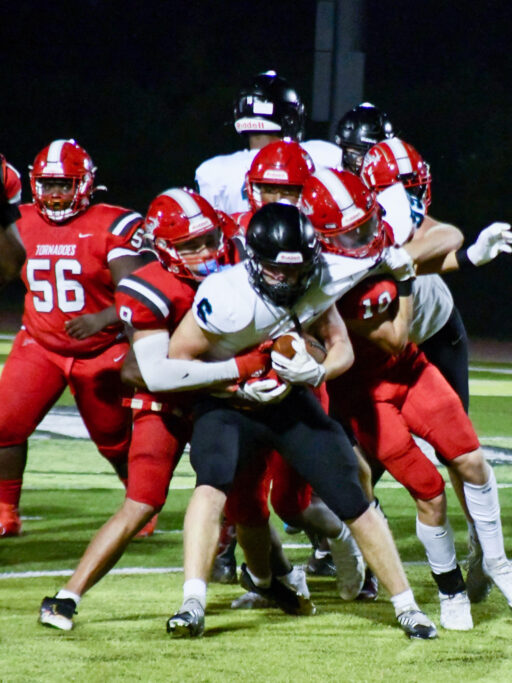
(187, 233)
(279, 163)
(395, 161)
(62, 180)
(344, 213)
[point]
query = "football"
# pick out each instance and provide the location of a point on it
(283, 345)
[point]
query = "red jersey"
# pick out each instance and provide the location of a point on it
(375, 297)
(153, 298)
(11, 181)
(66, 272)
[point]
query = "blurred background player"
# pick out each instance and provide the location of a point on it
(71, 336)
(265, 109)
(190, 241)
(11, 253)
(359, 129)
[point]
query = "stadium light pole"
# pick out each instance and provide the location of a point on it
(338, 75)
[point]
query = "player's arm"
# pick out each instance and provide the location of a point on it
(431, 244)
(173, 364)
(390, 329)
(84, 326)
(12, 254)
(332, 331)
(493, 240)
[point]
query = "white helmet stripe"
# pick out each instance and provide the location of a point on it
(338, 191)
(188, 203)
(54, 163)
(401, 156)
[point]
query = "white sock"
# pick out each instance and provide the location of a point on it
(63, 594)
(472, 535)
(195, 588)
(261, 583)
(403, 601)
(484, 507)
(439, 546)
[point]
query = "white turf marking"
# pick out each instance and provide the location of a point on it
(496, 370)
(137, 571)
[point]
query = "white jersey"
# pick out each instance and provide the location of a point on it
(226, 304)
(221, 179)
(432, 300)
(432, 306)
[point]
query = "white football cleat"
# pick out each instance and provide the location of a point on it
(456, 612)
(500, 572)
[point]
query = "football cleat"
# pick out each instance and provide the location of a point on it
(57, 613)
(224, 570)
(500, 571)
(188, 622)
(224, 565)
(10, 522)
(289, 592)
(455, 612)
(350, 567)
(478, 584)
(416, 624)
(370, 589)
(321, 566)
(148, 529)
(252, 600)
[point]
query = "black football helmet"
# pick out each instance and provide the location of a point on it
(281, 240)
(267, 104)
(358, 130)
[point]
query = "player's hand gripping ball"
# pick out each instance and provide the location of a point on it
(298, 359)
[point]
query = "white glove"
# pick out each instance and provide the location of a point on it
(263, 390)
(397, 261)
(301, 369)
(494, 239)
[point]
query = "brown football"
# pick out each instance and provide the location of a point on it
(283, 345)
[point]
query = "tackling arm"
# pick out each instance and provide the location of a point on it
(432, 243)
(174, 365)
(332, 331)
(390, 330)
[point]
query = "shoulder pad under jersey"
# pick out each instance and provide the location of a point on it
(397, 214)
(224, 302)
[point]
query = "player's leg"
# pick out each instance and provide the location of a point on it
(98, 391)
(30, 384)
(157, 444)
(267, 573)
(448, 351)
(319, 450)
(215, 450)
(451, 433)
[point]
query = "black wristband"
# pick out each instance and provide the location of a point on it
(462, 259)
(404, 287)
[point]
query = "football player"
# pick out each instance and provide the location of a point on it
(190, 241)
(359, 129)
(285, 282)
(75, 252)
(437, 247)
(335, 207)
(11, 253)
(265, 109)
(391, 392)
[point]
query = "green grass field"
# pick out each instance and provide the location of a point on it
(120, 628)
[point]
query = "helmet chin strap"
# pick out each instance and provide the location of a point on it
(296, 322)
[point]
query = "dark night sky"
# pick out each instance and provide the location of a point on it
(145, 87)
